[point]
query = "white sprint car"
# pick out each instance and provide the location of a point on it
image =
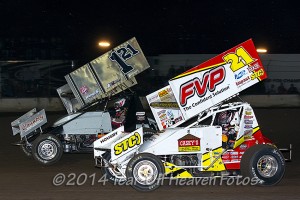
(224, 140)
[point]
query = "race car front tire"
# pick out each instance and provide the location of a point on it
(26, 150)
(145, 172)
(47, 149)
(264, 163)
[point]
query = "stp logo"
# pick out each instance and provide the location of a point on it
(210, 80)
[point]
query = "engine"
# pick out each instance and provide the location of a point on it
(187, 160)
(78, 142)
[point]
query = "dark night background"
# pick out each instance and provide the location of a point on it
(40, 38)
(71, 29)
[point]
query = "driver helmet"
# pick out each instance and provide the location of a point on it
(224, 117)
(117, 105)
(120, 103)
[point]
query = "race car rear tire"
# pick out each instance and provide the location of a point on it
(108, 172)
(265, 163)
(47, 149)
(144, 172)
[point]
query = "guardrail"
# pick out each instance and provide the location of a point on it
(55, 104)
(26, 104)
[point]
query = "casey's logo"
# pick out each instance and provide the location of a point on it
(189, 143)
(209, 81)
(130, 142)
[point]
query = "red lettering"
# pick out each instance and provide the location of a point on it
(210, 80)
(216, 77)
(201, 88)
(185, 143)
(186, 91)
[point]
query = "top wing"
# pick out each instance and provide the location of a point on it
(108, 74)
(211, 82)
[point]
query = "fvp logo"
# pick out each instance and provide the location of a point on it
(209, 81)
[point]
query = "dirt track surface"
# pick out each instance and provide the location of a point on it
(23, 178)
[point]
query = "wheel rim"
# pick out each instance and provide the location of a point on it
(267, 166)
(145, 172)
(47, 150)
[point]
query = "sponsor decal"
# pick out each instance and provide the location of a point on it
(92, 94)
(257, 74)
(170, 114)
(164, 105)
(248, 111)
(178, 119)
(248, 121)
(189, 143)
(248, 116)
(104, 139)
(32, 123)
(243, 81)
(243, 146)
(163, 117)
(248, 126)
(254, 67)
(154, 97)
(232, 156)
(84, 89)
(140, 116)
(161, 112)
(128, 143)
(113, 83)
(240, 74)
(209, 81)
(163, 93)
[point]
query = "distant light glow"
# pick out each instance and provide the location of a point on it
(104, 44)
(261, 50)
